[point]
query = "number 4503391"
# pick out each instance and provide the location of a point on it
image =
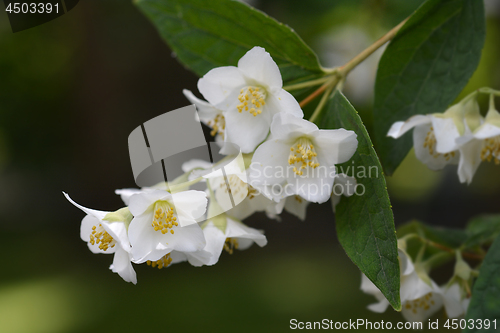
(471, 324)
(32, 8)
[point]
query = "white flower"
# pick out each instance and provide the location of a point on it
(299, 159)
(455, 300)
(106, 232)
(224, 232)
(165, 222)
(420, 296)
(434, 136)
(480, 143)
(342, 185)
(249, 96)
(209, 115)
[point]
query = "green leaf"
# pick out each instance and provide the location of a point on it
(482, 230)
(208, 34)
(424, 68)
(485, 302)
(365, 224)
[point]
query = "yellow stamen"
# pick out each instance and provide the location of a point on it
(491, 150)
(162, 262)
(256, 97)
(164, 219)
(303, 156)
(430, 143)
(230, 245)
(100, 236)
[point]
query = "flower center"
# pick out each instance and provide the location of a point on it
(101, 237)
(252, 192)
(491, 150)
(230, 245)
(302, 156)
(252, 99)
(162, 262)
(218, 125)
(237, 187)
(164, 219)
(430, 143)
(422, 303)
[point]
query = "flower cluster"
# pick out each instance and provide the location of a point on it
(288, 163)
(460, 136)
(421, 297)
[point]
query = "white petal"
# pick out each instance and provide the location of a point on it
(421, 314)
(335, 146)
(123, 266)
(369, 287)
(287, 127)
(126, 193)
(405, 264)
(379, 307)
(199, 258)
(399, 128)
(215, 239)
(221, 84)
(196, 164)
(297, 206)
(284, 102)
(269, 163)
(86, 228)
(239, 230)
(487, 131)
(118, 231)
(189, 205)
(143, 238)
(206, 111)
(96, 213)
(314, 185)
(423, 154)
(470, 159)
(335, 199)
(140, 202)
(178, 257)
(246, 130)
(347, 183)
(453, 301)
(446, 133)
(186, 239)
(258, 66)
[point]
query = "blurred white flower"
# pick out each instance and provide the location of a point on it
(437, 137)
(481, 144)
(249, 96)
(209, 115)
(456, 301)
(420, 296)
(225, 232)
(106, 232)
(300, 159)
(343, 185)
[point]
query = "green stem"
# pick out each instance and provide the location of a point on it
(487, 90)
(492, 102)
(438, 259)
(306, 84)
(322, 102)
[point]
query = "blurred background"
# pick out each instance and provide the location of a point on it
(73, 89)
